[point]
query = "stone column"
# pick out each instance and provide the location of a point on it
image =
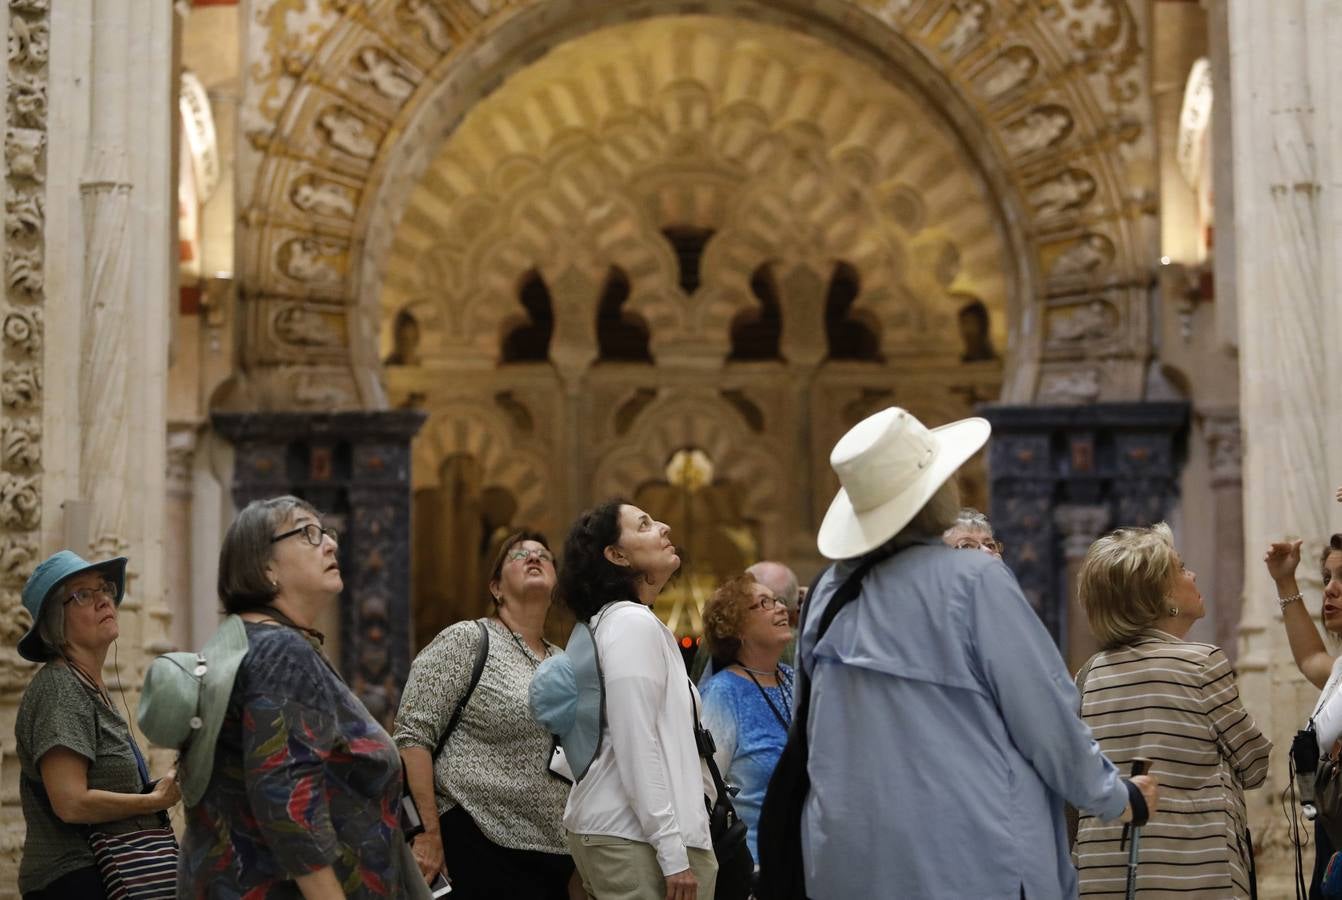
(1287, 167)
(1119, 461)
(355, 468)
(1080, 525)
(1222, 433)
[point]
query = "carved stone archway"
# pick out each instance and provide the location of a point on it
(350, 103)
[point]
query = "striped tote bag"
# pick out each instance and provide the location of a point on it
(137, 865)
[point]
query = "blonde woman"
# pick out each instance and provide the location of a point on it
(1151, 693)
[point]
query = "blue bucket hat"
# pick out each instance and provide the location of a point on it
(48, 576)
(567, 699)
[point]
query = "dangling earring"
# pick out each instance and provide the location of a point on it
(1174, 611)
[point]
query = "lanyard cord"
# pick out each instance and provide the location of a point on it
(783, 689)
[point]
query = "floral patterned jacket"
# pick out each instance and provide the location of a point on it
(303, 778)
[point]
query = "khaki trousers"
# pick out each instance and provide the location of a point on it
(616, 868)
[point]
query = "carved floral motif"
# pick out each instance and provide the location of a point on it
(24, 216)
(23, 152)
(22, 330)
(20, 501)
(23, 271)
(28, 41)
(21, 447)
(21, 386)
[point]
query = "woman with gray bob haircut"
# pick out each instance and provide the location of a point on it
(303, 789)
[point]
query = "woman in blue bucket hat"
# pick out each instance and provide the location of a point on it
(79, 765)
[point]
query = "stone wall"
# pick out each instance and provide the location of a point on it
(88, 258)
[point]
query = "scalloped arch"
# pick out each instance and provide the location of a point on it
(475, 430)
(1008, 84)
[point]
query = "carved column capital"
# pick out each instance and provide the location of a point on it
(181, 453)
(1080, 525)
(1222, 433)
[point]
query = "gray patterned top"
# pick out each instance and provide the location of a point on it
(496, 764)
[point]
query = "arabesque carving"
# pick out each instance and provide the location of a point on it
(1086, 119)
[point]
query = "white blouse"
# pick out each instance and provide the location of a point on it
(647, 782)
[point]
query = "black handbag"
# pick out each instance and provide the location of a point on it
(778, 836)
(736, 867)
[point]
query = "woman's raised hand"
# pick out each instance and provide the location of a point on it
(1281, 559)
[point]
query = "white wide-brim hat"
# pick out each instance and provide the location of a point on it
(889, 466)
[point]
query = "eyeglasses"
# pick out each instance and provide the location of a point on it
(311, 532)
(87, 596)
(519, 554)
(766, 603)
(987, 546)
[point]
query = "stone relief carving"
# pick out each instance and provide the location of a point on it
(380, 72)
(21, 386)
(24, 216)
(1080, 386)
(28, 41)
(347, 132)
(968, 27)
(27, 99)
(1082, 323)
(1080, 525)
(23, 271)
(22, 329)
(322, 197)
(1012, 68)
(313, 389)
(1224, 442)
(1071, 189)
(309, 259)
(301, 326)
(22, 445)
(18, 556)
(23, 152)
(1040, 128)
(430, 21)
(1088, 253)
(20, 501)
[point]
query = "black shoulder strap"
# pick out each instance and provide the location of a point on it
(481, 654)
(703, 740)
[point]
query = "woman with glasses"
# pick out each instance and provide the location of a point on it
(972, 531)
(80, 768)
(748, 701)
(304, 793)
(492, 809)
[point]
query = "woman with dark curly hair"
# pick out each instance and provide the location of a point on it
(636, 822)
(748, 701)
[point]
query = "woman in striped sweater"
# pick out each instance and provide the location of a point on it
(1152, 694)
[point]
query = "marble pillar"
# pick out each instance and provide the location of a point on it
(90, 212)
(1222, 434)
(1080, 524)
(1284, 73)
(1119, 462)
(355, 468)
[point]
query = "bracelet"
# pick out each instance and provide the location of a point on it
(1283, 602)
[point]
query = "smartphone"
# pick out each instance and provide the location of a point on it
(440, 886)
